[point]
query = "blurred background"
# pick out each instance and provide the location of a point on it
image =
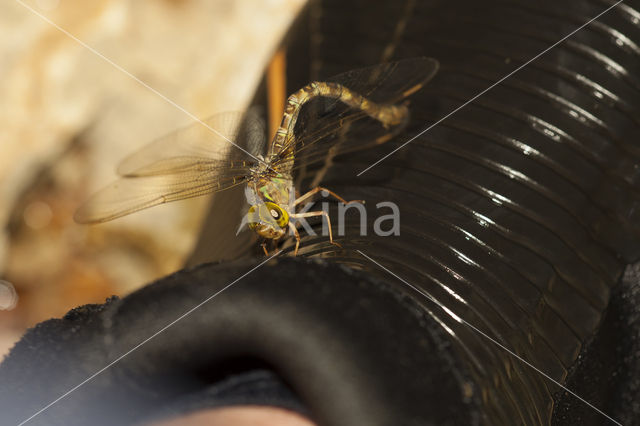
(68, 116)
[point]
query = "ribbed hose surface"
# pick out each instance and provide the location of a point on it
(519, 212)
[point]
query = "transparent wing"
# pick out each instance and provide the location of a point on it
(329, 127)
(220, 137)
(196, 160)
(130, 194)
(254, 131)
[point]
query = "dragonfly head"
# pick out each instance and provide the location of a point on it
(268, 219)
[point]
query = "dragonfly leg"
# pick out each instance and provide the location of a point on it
(320, 213)
(320, 188)
(297, 235)
(266, 250)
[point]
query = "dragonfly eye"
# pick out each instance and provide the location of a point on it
(281, 217)
(269, 215)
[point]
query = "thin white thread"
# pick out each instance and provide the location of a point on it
(490, 338)
(363, 171)
(88, 379)
(124, 71)
(488, 88)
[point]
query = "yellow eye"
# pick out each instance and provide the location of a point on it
(267, 214)
(278, 214)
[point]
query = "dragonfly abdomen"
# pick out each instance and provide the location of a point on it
(388, 115)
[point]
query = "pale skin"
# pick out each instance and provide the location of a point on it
(239, 416)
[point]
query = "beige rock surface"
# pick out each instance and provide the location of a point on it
(68, 116)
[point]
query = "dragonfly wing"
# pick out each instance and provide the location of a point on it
(350, 132)
(389, 82)
(327, 127)
(221, 137)
(254, 131)
(130, 194)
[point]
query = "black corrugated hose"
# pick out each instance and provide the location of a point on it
(519, 214)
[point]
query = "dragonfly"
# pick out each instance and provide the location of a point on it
(352, 111)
